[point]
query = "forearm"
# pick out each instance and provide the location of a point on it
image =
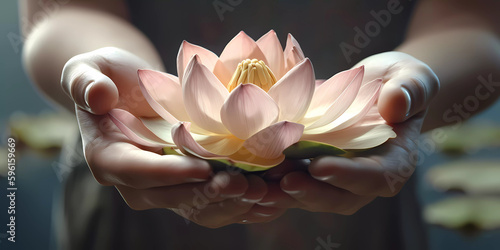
(74, 30)
(464, 53)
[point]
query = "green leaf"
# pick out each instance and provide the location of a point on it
(311, 149)
(469, 214)
(471, 177)
(170, 151)
(227, 164)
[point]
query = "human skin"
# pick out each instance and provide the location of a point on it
(439, 38)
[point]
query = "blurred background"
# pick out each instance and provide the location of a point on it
(461, 205)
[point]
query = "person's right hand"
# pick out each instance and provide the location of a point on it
(106, 78)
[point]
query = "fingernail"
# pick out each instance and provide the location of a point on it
(324, 178)
(408, 100)
(87, 91)
(262, 215)
(267, 203)
(228, 196)
(252, 201)
(195, 180)
(296, 193)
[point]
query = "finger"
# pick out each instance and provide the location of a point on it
(381, 171)
(408, 92)
(277, 198)
(287, 166)
(115, 160)
(222, 213)
(89, 88)
(260, 214)
(186, 196)
(257, 189)
(121, 163)
(359, 175)
(97, 79)
(319, 196)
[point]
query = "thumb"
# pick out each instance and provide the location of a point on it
(89, 88)
(407, 93)
(94, 79)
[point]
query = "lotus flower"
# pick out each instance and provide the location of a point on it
(255, 104)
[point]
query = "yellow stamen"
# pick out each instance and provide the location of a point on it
(252, 71)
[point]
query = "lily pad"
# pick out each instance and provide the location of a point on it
(3, 161)
(469, 137)
(471, 177)
(469, 214)
(43, 131)
(311, 149)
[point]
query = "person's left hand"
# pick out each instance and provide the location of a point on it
(344, 185)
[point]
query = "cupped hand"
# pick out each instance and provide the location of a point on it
(345, 184)
(106, 78)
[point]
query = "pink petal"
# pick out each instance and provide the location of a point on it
(135, 130)
(204, 96)
(294, 91)
(241, 47)
(159, 127)
(162, 129)
(185, 142)
(319, 82)
(363, 103)
(293, 53)
(372, 117)
(221, 145)
(216, 146)
(356, 137)
(328, 92)
(341, 102)
(245, 156)
(270, 142)
(271, 47)
(164, 94)
(187, 50)
(222, 73)
(248, 110)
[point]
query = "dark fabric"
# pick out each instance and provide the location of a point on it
(319, 26)
(96, 217)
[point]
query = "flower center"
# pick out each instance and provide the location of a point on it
(252, 71)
